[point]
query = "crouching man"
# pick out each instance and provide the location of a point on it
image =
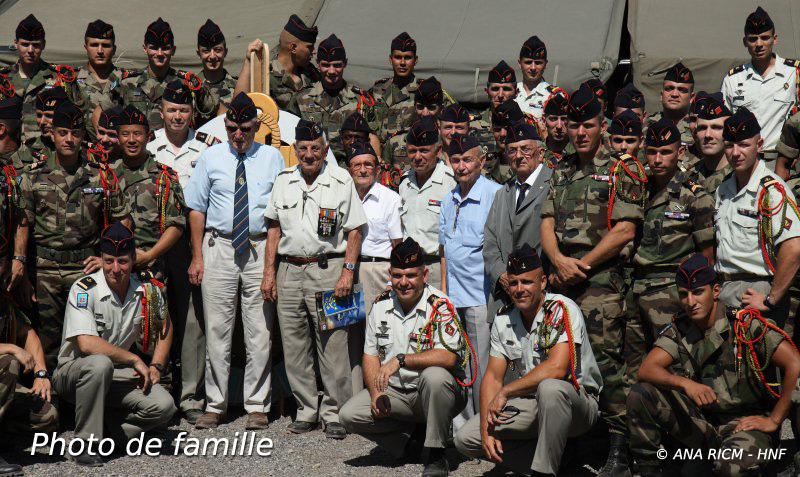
(540, 348)
(412, 366)
(108, 313)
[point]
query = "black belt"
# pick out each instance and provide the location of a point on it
(364, 258)
(428, 259)
(294, 260)
(64, 256)
(644, 272)
(217, 234)
(742, 277)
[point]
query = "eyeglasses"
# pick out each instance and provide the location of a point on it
(524, 150)
(233, 129)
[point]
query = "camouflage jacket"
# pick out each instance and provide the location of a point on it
(34, 150)
(496, 169)
(11, 206)
(683, 127)
(709, 179)
(11, 158)
(93, 92)
(552, 159)
(223, 89)
(282, 87)
(400, 103)
(789, 143)
(394, 151)
(481, 128)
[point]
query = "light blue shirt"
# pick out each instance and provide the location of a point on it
(212, 185)
(461, 233)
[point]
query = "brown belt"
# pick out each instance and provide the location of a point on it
(309, 259)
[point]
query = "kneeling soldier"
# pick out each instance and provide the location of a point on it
(706, 381)
(412, 361)
(541, 349)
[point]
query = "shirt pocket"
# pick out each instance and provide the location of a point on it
(471, 233)
(744, 230)
(287, 210)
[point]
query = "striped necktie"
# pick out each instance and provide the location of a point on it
(241, 211)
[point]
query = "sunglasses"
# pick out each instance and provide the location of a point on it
(233, 129)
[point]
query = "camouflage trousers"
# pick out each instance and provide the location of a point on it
(20, 413)
(52, 290)
(653, 412)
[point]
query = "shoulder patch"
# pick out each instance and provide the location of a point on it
(207, 139)
(37, 164)
(694, 186)
(735, 70)
(792, 62)
(667, 330)
(87, 283)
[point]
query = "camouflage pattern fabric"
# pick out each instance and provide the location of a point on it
(35, 150)
(683, 127)
(223, 89)
(709, 179)
(789, 143)
(399, 101)
(11, 206)
(481, 128)
(282, 88)
(20, 413)
(93, 92)
(496, 169)
(394, 151)
(11, 158)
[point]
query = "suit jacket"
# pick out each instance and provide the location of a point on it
(507, 229)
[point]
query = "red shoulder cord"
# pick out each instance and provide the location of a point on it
(146, 315)
(365, 99)
(390, 176)
(437, 320)
(165, 179)
(10, 174)
(110, 183)
(7, 87)
(192, 81)
(741, 327)
(65, 74)
(567, 325)
(766, 212)
(616, 170)
(97, 154)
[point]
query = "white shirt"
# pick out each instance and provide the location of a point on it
(182, 162)
(770, 98)
(530, 180)
(533, 103)
(382, 207)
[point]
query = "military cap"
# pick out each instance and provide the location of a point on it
(242, 109)
(307, 131)
(695, 271)
(177, 92)
(523, 259)
(533, 48)
(359, 148)
(629, 98)
(598, 87)
(502, 73)
(209, 35)
(355, 122)
(130, 116)
(521, 131)
(626, 123)
(404, 42)
(506, 114)
(99, 29)
(11, 108)
(423, 132)
(454, 113)
(68, 116)
(117, 240)
(108, 118)
(712, 106)
(429, 91)
(407, 254)
(331, 49)
(556, 105)
(583, 104)
(461, 143)
(297, 27)
(30, 29)
(159, 33)
(740, 126)
(662, 133)
(758, 22)
(679, 73)
(699, 102)
(49, 99)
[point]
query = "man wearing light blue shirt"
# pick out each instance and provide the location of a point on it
(464, 213)
(228, 195)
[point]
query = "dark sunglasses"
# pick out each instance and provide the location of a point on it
(233, 129)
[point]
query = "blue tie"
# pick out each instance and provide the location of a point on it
(241, 211)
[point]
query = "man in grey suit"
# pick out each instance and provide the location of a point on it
(514, 216)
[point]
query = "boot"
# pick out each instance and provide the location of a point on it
(9, 470)
(617, 463)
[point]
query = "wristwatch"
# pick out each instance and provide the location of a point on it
(401, 358)
(42, 373)
(349, 266)
(21, 258)
(158, 366)
(771, 306)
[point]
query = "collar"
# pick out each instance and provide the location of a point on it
(323, 176)
(373, 192)
(134, 286)
(531, 178)
(249, 154)
(759, 171)
(474, 193)
(419, 309)
(535, 91)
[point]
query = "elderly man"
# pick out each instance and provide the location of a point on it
(227, 201)
(453, 119)
(315, 233)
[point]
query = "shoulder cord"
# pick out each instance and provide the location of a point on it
(765, 213)
(614, 177)
(65, 75)
(364, 99)
(164, 184)
(741, 327)
(151, 304)
(10, 174)
(195, 84)
(110, 184)
(7, 87)
(562, 324)
(97, 154)
(437, 321)
(390, 176)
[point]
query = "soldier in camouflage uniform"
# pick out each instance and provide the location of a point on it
(10, 124)
(555, 123)
(693, 387)
(398, 92)
(587, 245)
(68, 200)
(41, 147)
(212, 50)
(629, 97)
(712, 167)
(11, 203)
(329, 101)
(677, 92)
(789, 144)
(500, 87)
(625, 134)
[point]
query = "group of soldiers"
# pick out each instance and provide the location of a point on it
(531, 273)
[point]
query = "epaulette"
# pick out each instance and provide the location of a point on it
(791, 62)
(87, 283)
(550, 88)
(664, 329)
(505, 309)
(736, 69)
(383, 296)
(694, 186)
(207, 139)
(432, 299)
(37, 164)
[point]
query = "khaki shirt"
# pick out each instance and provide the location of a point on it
(420, 206)
(183, 161)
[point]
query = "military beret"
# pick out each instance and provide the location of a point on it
(131, 116)
(556, 105)
(712, 106)
(454, 113)
(758, 22)
(626, 123)
(356, 122)
(331, 49)
(297, 27)
(241, 109)
(423, 132)
(740, 126)
(30, 29)
(407, 254)
(506, 114)
(117, 240)
(159, 33)
(679, 73)
(177, 92)
(521, 131)
(523, 259)
(404, 42)
(99, 29)
(502, 73)
(359, 148)
(49, 99)
(307, 131)
(583, 104)
(11, 108)
(598, 87)
(68, 116)
(695, 271)
(209, 35)
(533, 48)
(109, 117)
(629, 98)
(461, 143)
(662, 133)
(429, 91)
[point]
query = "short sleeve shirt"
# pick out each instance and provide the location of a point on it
(184, 161)
(422, 204)
(382, 208)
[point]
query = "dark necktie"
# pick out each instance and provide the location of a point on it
(241, 211)
(523, 188)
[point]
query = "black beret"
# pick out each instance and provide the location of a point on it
(100, 29)
(423, 132)
(740, 126)
(506, 114)
(404, 42)
(598, 87)
(557, 104)
(68, 116)
(626, 123)
(109, 117)
(679, 73)
(11, 108)
(241, 109)
(177, 92)
(297, 27)
(521, 132)
(583, 104)
(307, 131)
(117, 240)
(407, 254)
(331, 49)
(159, 33)
(695, 271)
(359, 148)
(30, 29)
(523, 260)
(662, 133)
(758, 22)
(461, 143)
(131, 116)
(355, 122)
(712, 106)
(429, 91)
(533, 48)
(49, 99)
(209, 35)
(502, 73)
(629, 98)
(454, 113)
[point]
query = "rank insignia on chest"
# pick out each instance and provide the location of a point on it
(194, 163)
(435, 203)
(82, 300)
(536, 347)
(384, 329)
(326, 226)
(748, 213)
(601, 177)
(92, 190)
(676, 215)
